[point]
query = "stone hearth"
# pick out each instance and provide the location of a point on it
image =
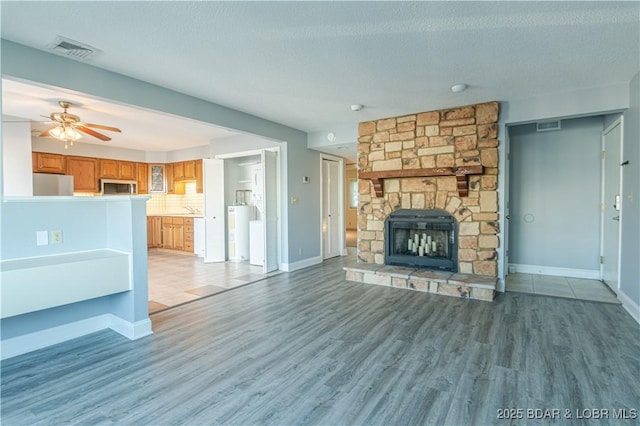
(444, 283)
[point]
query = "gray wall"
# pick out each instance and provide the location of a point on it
(555, 177)
(630, 254)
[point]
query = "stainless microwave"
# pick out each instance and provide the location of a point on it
(118, 187)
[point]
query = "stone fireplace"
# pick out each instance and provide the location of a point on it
(445, 160)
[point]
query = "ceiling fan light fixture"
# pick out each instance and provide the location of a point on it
(66, 133)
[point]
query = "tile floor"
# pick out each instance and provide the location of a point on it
(572, 288)
(175, 278)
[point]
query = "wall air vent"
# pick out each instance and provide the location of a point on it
(547, 126)
(75, 49)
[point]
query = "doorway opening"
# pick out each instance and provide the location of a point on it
(554, 208)
(332, 204)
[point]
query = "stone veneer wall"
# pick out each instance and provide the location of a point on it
(446, 138)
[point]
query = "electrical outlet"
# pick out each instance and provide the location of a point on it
(294, 200)
(56, 237)
(42, 238)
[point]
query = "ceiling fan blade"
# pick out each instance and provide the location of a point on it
(93, 133)
(100, 126)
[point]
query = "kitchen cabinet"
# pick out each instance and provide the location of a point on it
(115, 169)
(44, 162)
(84, 171)
(188, 234)
(127, 170)
(172, 233)
(108, 168)
(142, 177)
(199, 185)
(178, 171)
(171, 184)
(154, 231)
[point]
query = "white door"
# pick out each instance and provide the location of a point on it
(611, 174)
(331, 209)
(214, 210)
(270, 212)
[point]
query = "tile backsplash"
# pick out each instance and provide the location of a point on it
(161, 203)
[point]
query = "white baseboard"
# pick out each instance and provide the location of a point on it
(130, 330)
(630, 306)
(51, 336)
(290, 267)
(591, 274)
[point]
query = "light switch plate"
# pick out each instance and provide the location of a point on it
(42, 238)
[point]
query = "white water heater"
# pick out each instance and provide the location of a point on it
(238, 218)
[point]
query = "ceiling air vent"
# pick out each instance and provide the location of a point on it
(547, 126)
(67, 47)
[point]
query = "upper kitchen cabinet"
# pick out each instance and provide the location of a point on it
(185, 170)
(116, 169)
(199, 185)
(171, 188)
(84, 171)
(142, 172)
(44, 162)
(127, 170)
(108, 168)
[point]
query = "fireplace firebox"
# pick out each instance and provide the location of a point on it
(422, 238)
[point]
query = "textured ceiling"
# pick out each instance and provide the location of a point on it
(303, 64)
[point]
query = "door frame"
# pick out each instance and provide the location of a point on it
(617, 122)
(342, 240)
(278, 150)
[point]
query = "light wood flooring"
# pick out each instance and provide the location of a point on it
(308, 347)
(176, 278)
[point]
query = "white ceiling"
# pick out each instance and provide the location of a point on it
(303, 64)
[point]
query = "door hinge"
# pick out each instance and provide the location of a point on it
(603, 155)
(602, 260)
(602, 207)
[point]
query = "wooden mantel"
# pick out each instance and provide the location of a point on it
(461, 173)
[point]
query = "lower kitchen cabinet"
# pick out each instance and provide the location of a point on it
(154, 231)
(177, 232)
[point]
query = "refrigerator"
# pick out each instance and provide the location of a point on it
(50, 184)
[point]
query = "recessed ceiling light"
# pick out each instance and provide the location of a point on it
(461, 87)
(331, 137)
(356, 107)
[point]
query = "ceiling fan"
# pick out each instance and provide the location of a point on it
(67, 127)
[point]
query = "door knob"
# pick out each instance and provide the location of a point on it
(616, 218)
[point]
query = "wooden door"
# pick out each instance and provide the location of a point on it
(84, 171)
